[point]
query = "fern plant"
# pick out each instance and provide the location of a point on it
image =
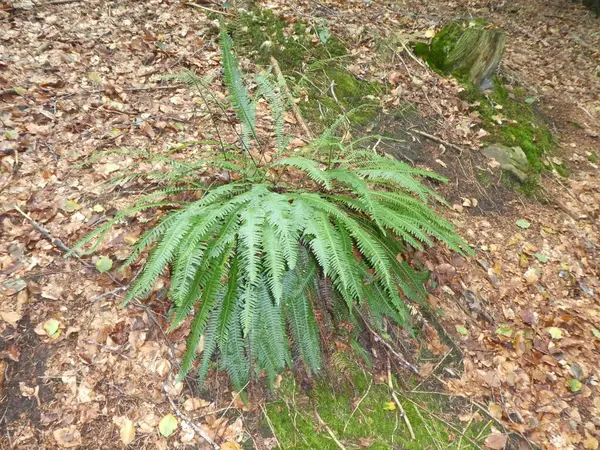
(246, 257)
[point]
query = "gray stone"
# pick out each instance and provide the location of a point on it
(511, 159)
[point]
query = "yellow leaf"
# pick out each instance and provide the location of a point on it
(590, 443)
(167, 425)
(127, 432)
(231, 446)
(389, 406)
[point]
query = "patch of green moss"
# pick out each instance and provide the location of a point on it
(314, 67)
(437, 52)
(261, 34)
(592, 157)
(375, 423)
(509, 120)
(333, 90)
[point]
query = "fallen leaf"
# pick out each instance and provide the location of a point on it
(193, 403)
(389, 406)
(596, 333)
(67, 437)
(556, 333)
(104, 264)
(504, 331)
(574, 385)
(541, 258)
(11, 317)
(495, 411)
(496, 441)
(127, 432)
(167, 425)
(590, 443)
(231, 446)
(522, 223)
(462, 330)
(52, 328)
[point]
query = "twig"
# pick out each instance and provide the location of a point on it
(290, 99)
(206, 8)
(43, 231)
(435, 416)
(264, 411)
(358, 404)
(438, 140)
(108, 294)
(412, 55)
(434, 369)
(424, 422)
(59, 2)
(324, 425)
(393, 351)
(195, 427)
(398, 404)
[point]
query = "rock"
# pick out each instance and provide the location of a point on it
(511, 159)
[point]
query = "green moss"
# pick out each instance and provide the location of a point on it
(375, 424)
(437, 52)
(509, 120)
(261, 34)
(592, 157)
(332, 91)
(315, 69)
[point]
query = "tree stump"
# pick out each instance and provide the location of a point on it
(477, 55)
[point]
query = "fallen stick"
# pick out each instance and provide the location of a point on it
(195, 427)
(329, 431)
(43, 231)
(398, 404)
(206, 8)
(438, 140)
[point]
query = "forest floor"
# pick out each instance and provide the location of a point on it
(515, 348)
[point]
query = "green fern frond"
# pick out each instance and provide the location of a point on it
(271, 92)
(238, 94)
(310, 167)
(252, 261)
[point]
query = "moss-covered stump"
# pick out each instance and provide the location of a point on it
(477, 55)
(467, 50)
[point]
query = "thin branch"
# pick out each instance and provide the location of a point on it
(358, 404)
(206, 8)
(331, 433)
(398, 404)
(438, 140)
(195, 427)
(44, 232)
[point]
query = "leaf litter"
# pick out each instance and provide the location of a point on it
(78, 78)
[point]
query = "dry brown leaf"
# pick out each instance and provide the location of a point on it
(69, 437)
(194, 403)
(495, 411)
(127, 432)
(496, 441)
